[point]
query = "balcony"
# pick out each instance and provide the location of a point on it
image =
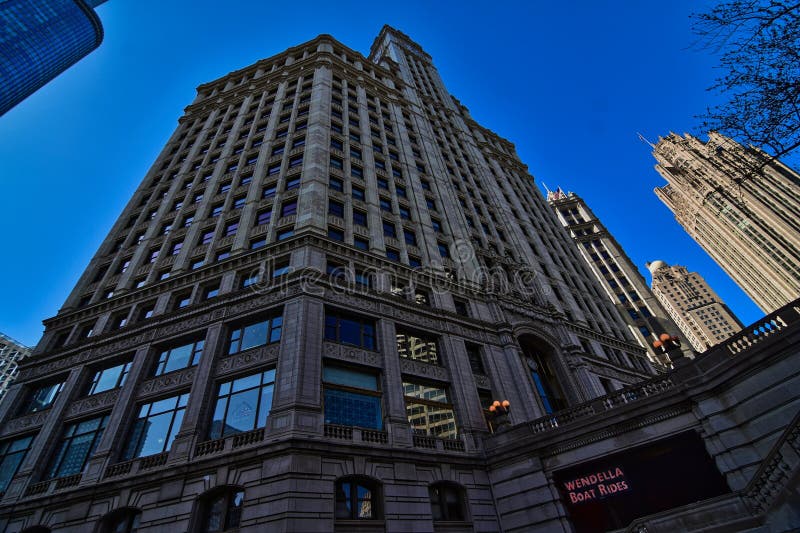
(356, 434)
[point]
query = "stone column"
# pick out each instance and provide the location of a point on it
(296, 404)
(464, 391)
(396, 419)
(115, 433)
(37, 458)
(199, 400)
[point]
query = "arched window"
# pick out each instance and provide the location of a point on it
(448, 502)
(120, 521)
(543, 373)
(220, 510)
(357, 498)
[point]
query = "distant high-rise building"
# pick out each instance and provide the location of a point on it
(694, 306)
(619, 277)
(741, 206)
(39, 40)
(11, 352)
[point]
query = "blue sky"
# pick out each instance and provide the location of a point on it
(570, 83)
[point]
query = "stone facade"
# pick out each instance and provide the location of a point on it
(741, 206)
(615, 271)
(300, 318)
(698, 311)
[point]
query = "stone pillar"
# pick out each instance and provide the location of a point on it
(510, 379)
(115, 434)
(198, 398)
(296, 404)
(38, 458)
(464, 391)
(393, 401)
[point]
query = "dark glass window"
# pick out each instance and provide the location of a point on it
(77, 444)
(156, 426)
(461, 307)
(389, 229)
(335, 234)
(109, 378)
(358, 193)
(447, 502)
(352, 398)
(335, 208)
(475, 359)
(392, 254)
(41, 398)
(258, 333)
(359, 218)
(410, 237)
(121, 521)
(263, 217)
(417, 346)
(349, 329)
(289, 208)
(405, 214)
(221, 511)
(179, 357)
(336, 184)
(357, 499)
(243, 404)
(429, 410)
(361, 243)
(12, 453)
(284, 234)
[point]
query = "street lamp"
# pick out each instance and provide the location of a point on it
(498, 415)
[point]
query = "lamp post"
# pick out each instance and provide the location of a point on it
(670, 345)
(498, 415)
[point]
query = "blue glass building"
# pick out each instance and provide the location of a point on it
(40, 39)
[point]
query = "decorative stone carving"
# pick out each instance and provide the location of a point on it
(167, 381)
(188, 324)
(248, 359)
(24, 422)
(92, 403)
(408, 366)
(482, 381)
(349, 353)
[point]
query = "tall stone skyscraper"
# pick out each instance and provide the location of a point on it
(694, 306)
(328, 274)
(40, 40)
(741, 206)
(619, 277)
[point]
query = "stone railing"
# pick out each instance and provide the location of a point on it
(50, 485)
(774, 323)
(608, 402)
(136, 465)
(356, 434)
(436, 443)
(226, 444)
(777, 470)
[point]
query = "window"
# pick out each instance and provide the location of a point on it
(263, 217)
(401, 191)
(77, 444)
(447, 502)
(351, 397)
(337, 163)
(349, 329)
(108, 378)
(336, 234)
(336, 144)
(383, 183)
(176, 248)
(392, 254)
(255, 334)
(238, 203)
(243, 404)
(12, 453)
(231, 228)
(335, 208)
(147, 310)
(153, 255)
(475, 359)
(429, 410)
(410, 237)
(357, 172)
(274, 169)
(336, 184)
(361, 243)
(224, 187)
(405, 214)
(223, 254)
(443, 251)
(121, 521)
(289, 208)
(357, 499)
(417, 347)
(269, 191)
(179, 357)
(358, 193)
(207, 237)
(284, 234)
(156, 426)
(41, 398)
(389, 230)
(296, 161)
(258, 243)
(414, 261)
(385, 204)
(211, 291)
(182, 300)
(359, 218)
(293, 183)
(220, 510)
(277, 151)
